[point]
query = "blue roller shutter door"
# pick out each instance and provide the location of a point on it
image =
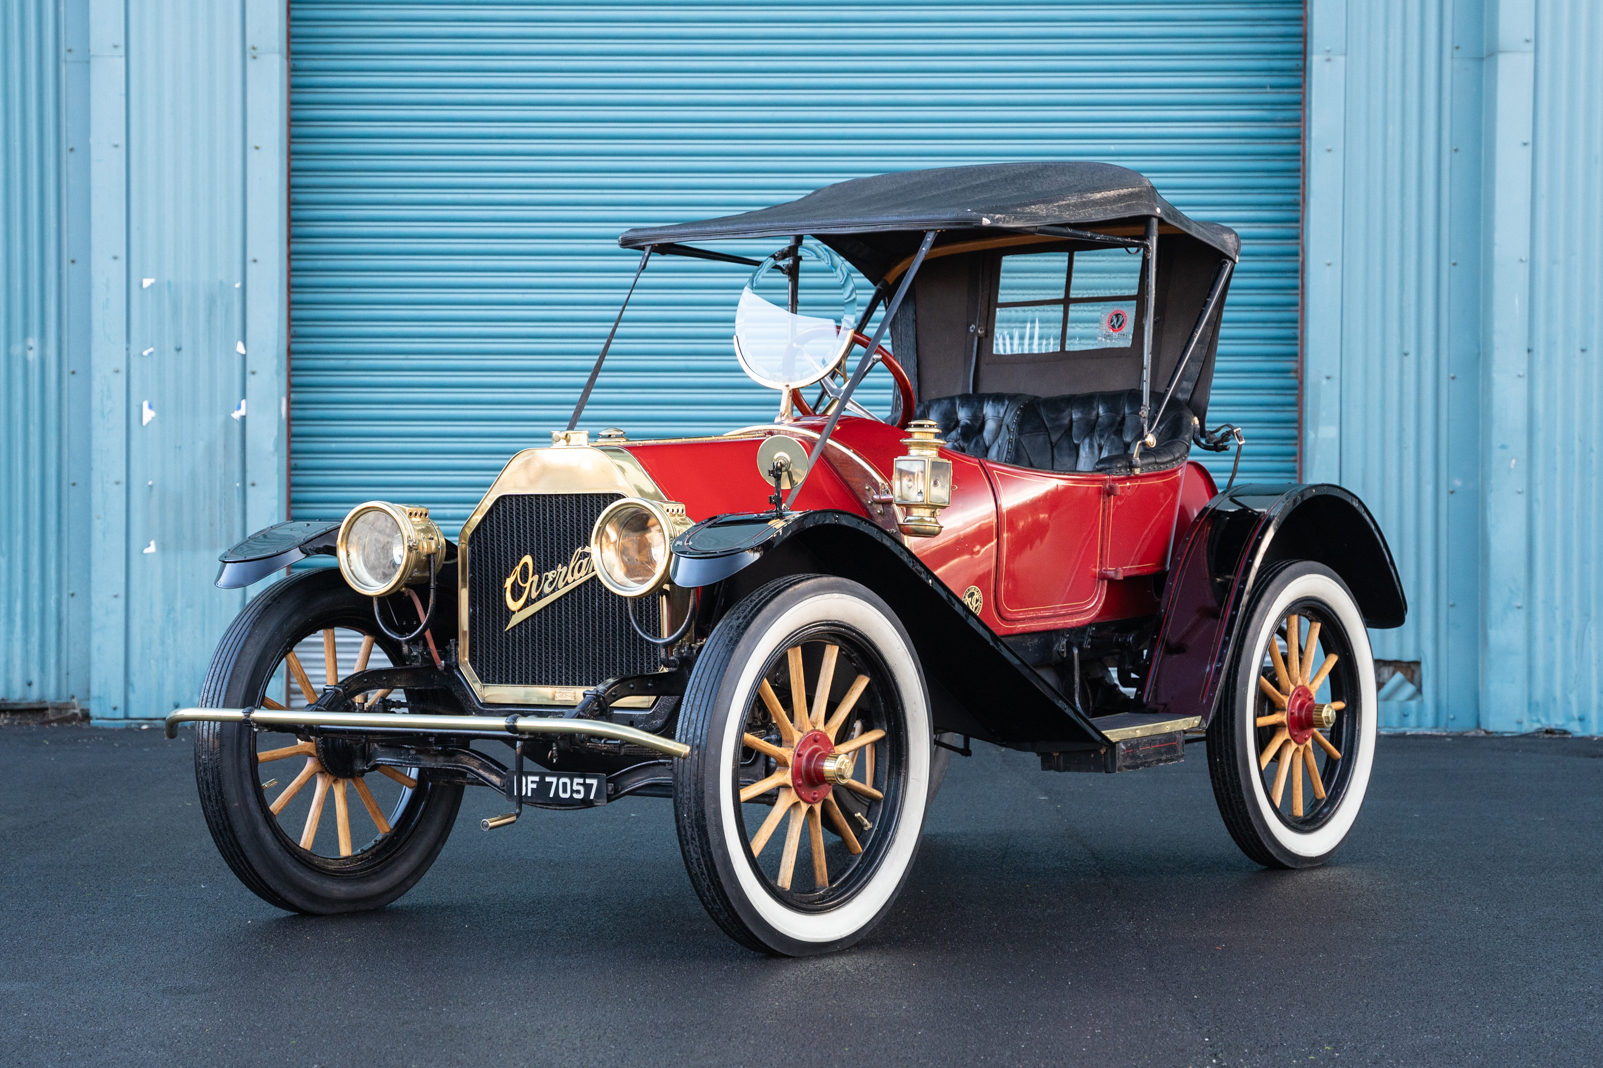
(461, 172)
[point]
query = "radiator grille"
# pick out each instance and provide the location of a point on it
(579, 639)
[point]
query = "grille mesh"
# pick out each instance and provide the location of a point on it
(581, 638)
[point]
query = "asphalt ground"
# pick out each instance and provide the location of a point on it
(1051, 919)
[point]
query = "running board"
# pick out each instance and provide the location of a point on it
(267, 719)
(1140, 740)
(1129, 725)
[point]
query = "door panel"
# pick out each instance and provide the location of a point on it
(1050, 540)
(1140, 520)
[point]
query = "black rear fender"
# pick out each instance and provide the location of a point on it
(978, 686)
(1236, 542)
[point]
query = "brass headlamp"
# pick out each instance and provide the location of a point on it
(629, 544)
(382, 547)
(922, 481)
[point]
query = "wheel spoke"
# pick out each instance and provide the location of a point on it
(1324, 743)
(1308, 649)
(312, 768)
(331, 657)
(300, 749)
(1296, 780)
(762, 786)
(787, 798)
(842, 828)
(342, 816)
(361, 657)
(787, 862)
(268, 702)
(309, 835)
(868, 738)
(1280, 666)
(1284, 756)
(1293, 641)
(862, 788)
(301, 680)
(826, 679)
(765, 747)
(361, 665)
(371, 805)
(1272, 748)
(846, 705)
(1313, 770)
(1324, 671)
(400, 777)
(787, 729)
(1270, 692)
(815, 846)
(798, 689)
(1271, 720)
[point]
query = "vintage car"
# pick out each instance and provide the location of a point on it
(790, 628)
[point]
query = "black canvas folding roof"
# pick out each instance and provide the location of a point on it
(877, 222)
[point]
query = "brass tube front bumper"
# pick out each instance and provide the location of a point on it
(483, 725)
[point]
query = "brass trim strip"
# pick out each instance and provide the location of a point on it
(441, 724)
(1143, 730)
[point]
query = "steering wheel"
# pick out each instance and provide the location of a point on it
(904, 385)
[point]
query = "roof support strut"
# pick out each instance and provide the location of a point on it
(1146, 331)
(1181, 376)
(866, 362)
(590, 383)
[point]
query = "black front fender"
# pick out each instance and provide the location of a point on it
(275, 548)
(1235, 541)
(978, 685)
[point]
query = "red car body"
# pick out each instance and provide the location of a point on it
(1047, 550)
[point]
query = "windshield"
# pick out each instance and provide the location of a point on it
(785, 349)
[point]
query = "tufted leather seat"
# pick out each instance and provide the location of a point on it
(1073, 432)
(979, 424)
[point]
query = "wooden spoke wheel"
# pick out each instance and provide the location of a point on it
(810, 758)
(312, 824)
(1290, 748)
(800, 806)
(330, 772)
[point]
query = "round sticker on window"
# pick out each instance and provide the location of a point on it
(1115, 321)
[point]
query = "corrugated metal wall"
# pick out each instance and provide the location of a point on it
(1379, 317)
(460, 173)
(185, 372)
(35, 658)
(1454, 273)
(1566, 390)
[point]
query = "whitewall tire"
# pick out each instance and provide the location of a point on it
(806, 691)
(1291, 745)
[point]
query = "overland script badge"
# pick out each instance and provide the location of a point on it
(546, 586)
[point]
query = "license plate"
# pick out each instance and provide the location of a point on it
(562, 788)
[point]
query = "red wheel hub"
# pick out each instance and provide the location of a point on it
(808, 776)
(1300, 709)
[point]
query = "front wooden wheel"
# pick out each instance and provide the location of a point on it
(312, 824)
(327, 773)
(1291, 745)
(806, 713)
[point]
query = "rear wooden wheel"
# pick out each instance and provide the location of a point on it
(1291, 745)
